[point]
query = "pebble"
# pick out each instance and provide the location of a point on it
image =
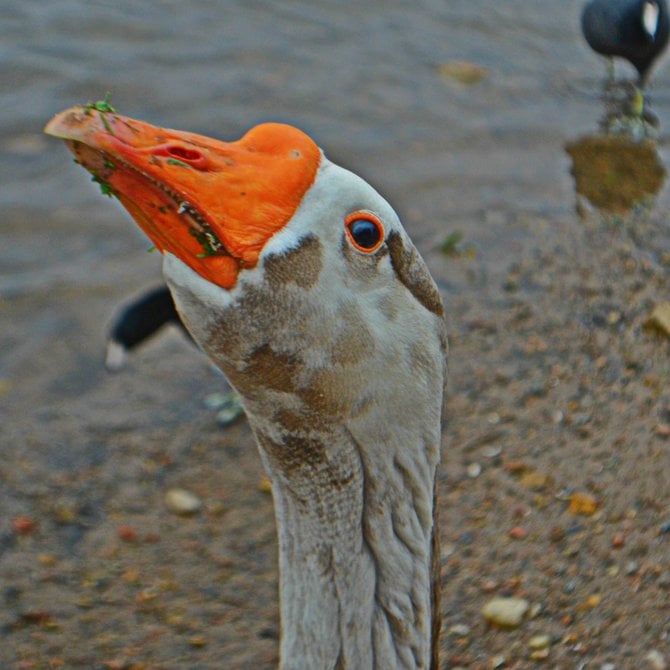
(583, 504)
(534, 480)
(23, 525)
(518, 533)
(618, 540)
(593, 601)
(228, 415)
(473, 470)
(227, 406)
(655, 660)
(659, 319)
(539, 642)
(466, 73)
(505, 612)
(631, 568)
(570, 586)
(182, 502)
(265, 485)
(198, 641)
(460, 629)
(491, 452)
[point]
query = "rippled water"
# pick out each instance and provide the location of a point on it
(362, 78)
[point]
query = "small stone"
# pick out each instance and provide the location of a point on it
(655, 660)
(618, 540)
(463, 72)
(460, 629)
(47, 560)
(198, 641)
(228, 415)
(127, 534)
(539, 642)
(582, 504)
(593, 601)
(498, 661)
(265, 485)
(659, 319)
(539, 655)
(518, 533)
(473, 470)
(227, 406)
(23, 525)
(182, 502)
(631, 568)
(557, 534)
(534, 480)
(491, 451)
(505, 612)
(215, 401)
(570, 586)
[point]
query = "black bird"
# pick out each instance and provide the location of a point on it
(139, 320)
(636, 30)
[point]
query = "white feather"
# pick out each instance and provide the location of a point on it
(650, 14)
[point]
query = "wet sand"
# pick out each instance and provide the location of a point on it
(555, 481)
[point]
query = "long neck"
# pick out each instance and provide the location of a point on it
(356, 549)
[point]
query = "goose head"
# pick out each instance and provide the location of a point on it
(298, 280)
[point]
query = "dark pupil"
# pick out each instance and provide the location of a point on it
(365, 233)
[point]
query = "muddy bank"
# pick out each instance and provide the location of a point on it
(558, 394)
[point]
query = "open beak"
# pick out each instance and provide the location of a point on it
(212, 204)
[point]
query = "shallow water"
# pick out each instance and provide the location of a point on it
(363, 79)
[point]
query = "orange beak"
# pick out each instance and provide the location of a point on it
(212, 204)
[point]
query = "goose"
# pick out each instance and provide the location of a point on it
(298, 280)
(636, 30)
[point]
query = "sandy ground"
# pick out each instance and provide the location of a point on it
(554, 485)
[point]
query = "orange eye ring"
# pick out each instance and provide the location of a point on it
(365, 231)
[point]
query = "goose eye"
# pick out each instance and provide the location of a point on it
(365, 231)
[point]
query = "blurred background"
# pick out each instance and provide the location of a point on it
(458, 112)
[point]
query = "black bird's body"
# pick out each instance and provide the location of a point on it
(138, 321)
(636, 30)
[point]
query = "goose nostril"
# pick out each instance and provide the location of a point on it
(179, 154)
(184, 154)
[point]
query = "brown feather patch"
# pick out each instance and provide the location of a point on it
(301, 266)
(413, 273)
